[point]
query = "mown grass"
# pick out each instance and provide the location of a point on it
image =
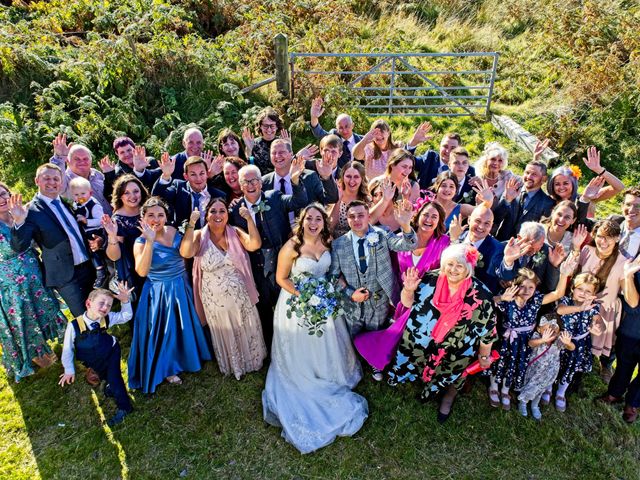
(211, 427)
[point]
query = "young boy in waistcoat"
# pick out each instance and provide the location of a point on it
(86, 339)
(88, 212)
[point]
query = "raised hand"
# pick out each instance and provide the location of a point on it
(60, 147)
(147, 231)
(167, 165)
(592, 191)
(106, 165)
(216, 166)
(593, 160)
(16, 209)
(484, 192)
(548, 335)
(248, 139)
(631, 267)
(326, 165)
(456, 228)
(556, 256)
(579, 236)
(514, 249)
(207, 156)
(403, 212)
(140, 161)
(411, 279)
(421, 134)
(510, 293)
(512, 189)
(245, 213)
(194, 217)
(109, 225)
(388, 189)
(307, 152)
(540, 147)
(565, 337)
(296, 169)
(317, 107)
(405, 189)
(284, 134)
(124, 293)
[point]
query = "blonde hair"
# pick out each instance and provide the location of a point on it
(79, 183)
(586, 278)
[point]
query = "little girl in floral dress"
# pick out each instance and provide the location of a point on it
(580, 316)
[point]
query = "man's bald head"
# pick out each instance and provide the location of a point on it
(480, 223)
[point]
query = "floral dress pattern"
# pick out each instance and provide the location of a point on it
(542, 370)
(235, 326)
(29, 312)
(519, 324)
(261, 155)
(440, 365)
(581, 358)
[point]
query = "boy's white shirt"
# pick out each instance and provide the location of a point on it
(68, 347)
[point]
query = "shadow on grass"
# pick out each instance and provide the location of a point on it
(212, 427)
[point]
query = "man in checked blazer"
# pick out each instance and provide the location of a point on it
(528, 205)
(361, 258)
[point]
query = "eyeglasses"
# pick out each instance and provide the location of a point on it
(269, 126)
(5, 194)
(251, 181)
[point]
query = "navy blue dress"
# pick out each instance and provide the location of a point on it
(168, 338)
(580, 359)
(519, 324)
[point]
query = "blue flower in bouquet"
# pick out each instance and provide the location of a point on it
(319, 302)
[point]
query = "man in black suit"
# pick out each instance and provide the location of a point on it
(50, 223)
(183, 196)
(528, 205)
(321, 187)
(479, 235)
(529, 250)
(429, 165)
(459, 165)
(270, 212)
(344, 130)
(131, 159)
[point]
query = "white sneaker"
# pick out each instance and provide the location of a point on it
(377, 375)
(535, 412)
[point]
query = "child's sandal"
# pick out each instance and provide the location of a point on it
(505, 400)
(561, 403)
(546, 398)
(494, 399)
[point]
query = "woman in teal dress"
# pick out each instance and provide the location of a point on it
(168, 338)
(29, 312)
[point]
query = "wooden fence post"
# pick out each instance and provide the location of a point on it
(283, 74)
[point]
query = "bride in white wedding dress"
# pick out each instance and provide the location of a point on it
(308, 389)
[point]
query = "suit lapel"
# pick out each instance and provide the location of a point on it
(45, 208)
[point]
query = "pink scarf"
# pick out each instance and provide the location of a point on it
(430, 259)
(239, 258)
(450, 306)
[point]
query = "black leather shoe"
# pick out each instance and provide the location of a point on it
(101, 278)
(117, 418)
(443, 417)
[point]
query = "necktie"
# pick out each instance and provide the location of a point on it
(282, 184)
(362, 259)
(443, 168)
(196, 199)
(72, 230)
(95, 325)
(346, 149)
(624, 244)
(523, 200)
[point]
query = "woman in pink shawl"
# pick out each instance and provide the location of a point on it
(224, 290)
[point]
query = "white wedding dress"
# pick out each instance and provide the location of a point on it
(308, 389)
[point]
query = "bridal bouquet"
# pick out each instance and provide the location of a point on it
(320, 299)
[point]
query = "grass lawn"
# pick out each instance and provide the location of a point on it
(211, 427)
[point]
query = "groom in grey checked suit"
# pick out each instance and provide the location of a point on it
(361, 259)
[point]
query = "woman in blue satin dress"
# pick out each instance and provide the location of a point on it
(168, 337)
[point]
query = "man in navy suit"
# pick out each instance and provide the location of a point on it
(528, 205)
(479, 235)
(459, 165)
(193, 143)
(270, 211)
(344, 130)
(431, 164)
(529, 250)
(131, 159)
(50, 223)
(184, 196)
(321, 187)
